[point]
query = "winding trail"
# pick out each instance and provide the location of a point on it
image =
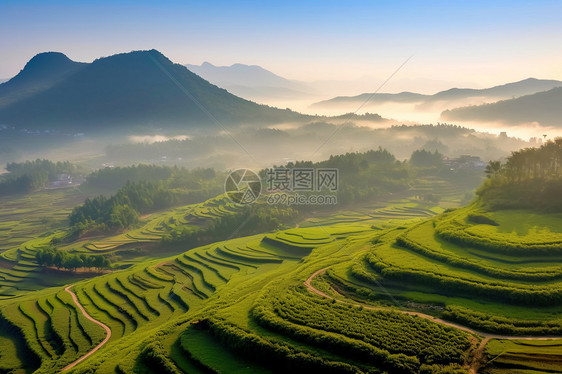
(478, 353)
(105, 327)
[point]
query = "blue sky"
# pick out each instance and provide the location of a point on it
(478, 42)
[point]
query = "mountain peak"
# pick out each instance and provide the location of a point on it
(48, 57)
(42, 71)
(133, 88)
(47, 61)
(134, 54)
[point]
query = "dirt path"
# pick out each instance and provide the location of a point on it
(105, 327)
(478, 353)
(478, 357)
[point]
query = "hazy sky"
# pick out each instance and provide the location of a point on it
(470, 42)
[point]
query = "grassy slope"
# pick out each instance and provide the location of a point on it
(137, 302)
(152, 305)
(423, 250)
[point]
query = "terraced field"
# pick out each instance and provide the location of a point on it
(503, 276)
(399, 287)
(19, 271)
(27, 217)
(199, 285)
(285, 326)
(56, 332)
(25, 223)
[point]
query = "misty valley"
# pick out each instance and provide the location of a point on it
(158, 217)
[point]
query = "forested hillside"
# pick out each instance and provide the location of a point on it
(530, 179)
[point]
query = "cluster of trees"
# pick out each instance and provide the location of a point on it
(122, 209)
(248, 220)
(70, 261)
(535, 163)
(24, 177)
(530, 178)
(113, 178)
(146, 188)
(349, 163)
(423, 158)
(22, 184)
(51, 169)
(110, 178)
(362, 175)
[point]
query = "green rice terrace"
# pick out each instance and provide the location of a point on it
(397, 285)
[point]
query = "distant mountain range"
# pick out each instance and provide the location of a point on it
(136, 88)
(542, 107)
(402, 97)
(506, 91)
(251, 81)
(144, 88)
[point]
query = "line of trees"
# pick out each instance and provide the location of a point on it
(362, 175)
(249, 220)
(425, 158)
(535, 163)
(164, 187)
(40, 165)
(122, 209)
(530, 179)
(28, 176)
(70, 261)
(113, 178)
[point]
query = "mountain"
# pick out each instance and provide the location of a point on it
(251, 81)
(136, 88)
(506, 91)
(40, 73)
(525, 87)
(542, 107)
(402, 97)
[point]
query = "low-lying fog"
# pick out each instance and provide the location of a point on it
(248, 147)
(233, 147)
(419, 113)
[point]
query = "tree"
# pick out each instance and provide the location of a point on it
(59, 259)
(123, 216)
(53, 257)
(492, 168)
(425, 158)
(73, 262)
(99, 262)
